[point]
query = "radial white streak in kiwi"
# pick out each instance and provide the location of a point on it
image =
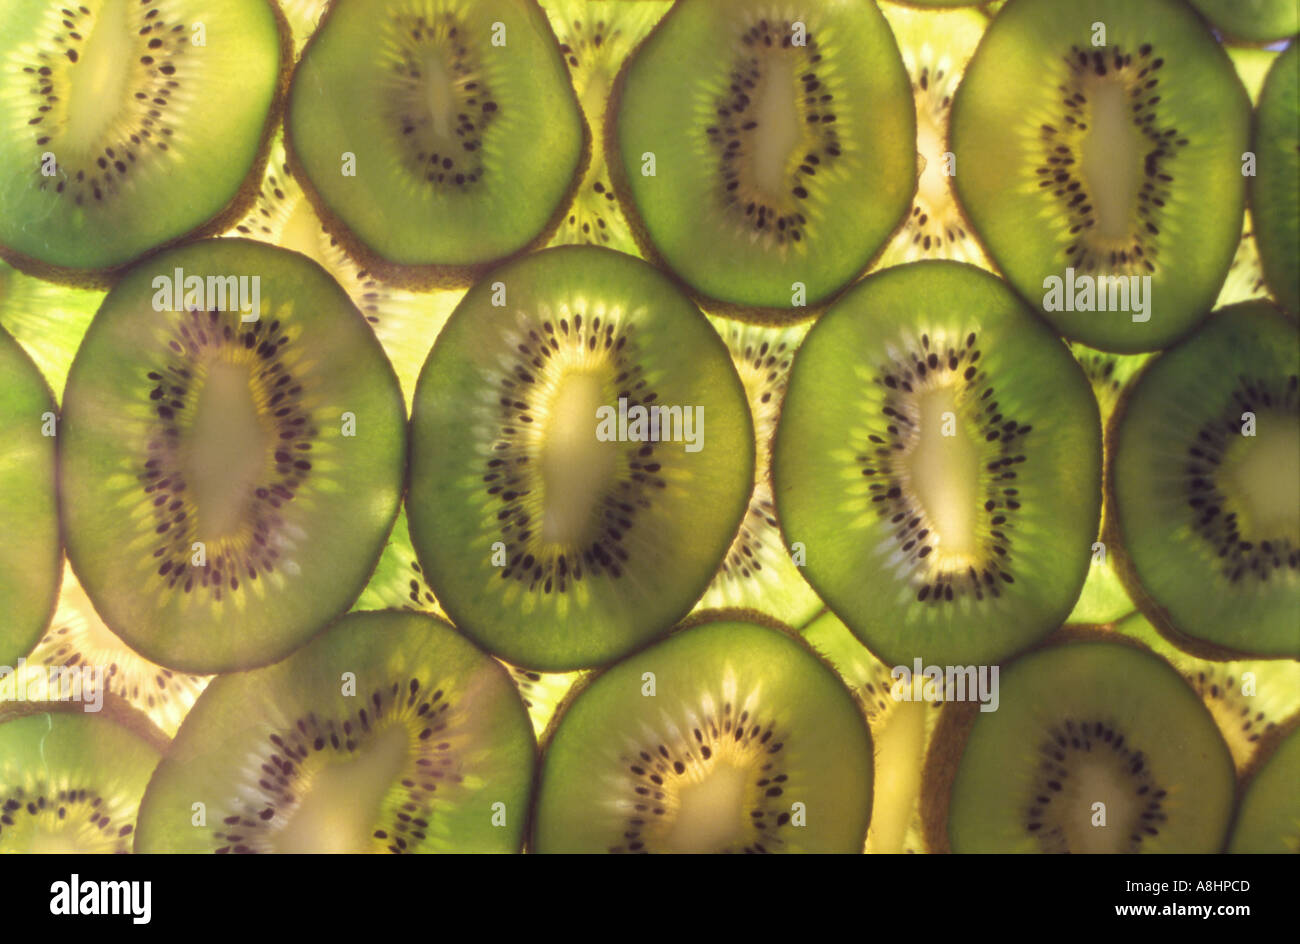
(342, 801)
(710, 811)
(778, 125)
(227, 450)
(577, 468)
(99, 77)
(943, 473)
(1099, 779)
(1111, 157)
(899, 742)
(1264, 470)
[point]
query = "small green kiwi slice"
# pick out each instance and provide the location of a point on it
(1268, 819)
(758, 571)
(740, 132)
(388, 732)
(1086, 158)
(1249, 700)
(556, 520)
(939, 458)
(900, 730)
(435, 140)
(125, 125)
(1095, 747)
(47, 319)
(725, 737)
(31, 551)
(227, 484)
(70, 782)
(1204, 485)
(1275, 190)
(1255, 21)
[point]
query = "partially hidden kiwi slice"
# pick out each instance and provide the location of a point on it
(939, 457)
(740, 132)
(70, 782)
(759, 572)
(387, 733)
(1268, 819)
(227, 483)
(1275, 190)
(726, 737)
(128, 125)
(31, 551)
(1205, 486)
(596, 37)
(435, 140)
(1095, 747)
(581, 457)
(1250, 700)
(47, 319)
(901, 728)
(1256, 21)
(1099, 154)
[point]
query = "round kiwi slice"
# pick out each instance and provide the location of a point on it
(1206, 474)
(738, 135)
(228, 483)
(1100, 161)
(581, 456)
(1095, 747)
(388, 732)
(31, 551)
(434, 141)
(70, 782)
(725, 737)
(939, 457)
(47, 319)
(128, 125)
(1275, 192)
(1256, 21)
(1268, 820)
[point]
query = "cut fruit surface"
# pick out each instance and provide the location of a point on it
(1256, 21)
(1275, 192)
(1269, 818)
(726, 737)
(47, 319)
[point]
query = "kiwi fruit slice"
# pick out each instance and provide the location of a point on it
(595, 39)
(735, 135)
(555, 524)
(1255, 21)
(228, 484)
(936, 45)
(726, 737)
(129, 125)
(1079, 724)
(1250, 700)
(1116, 161)
(47, 319)
(32, 550)
(388, 732)
(902, 463)
(434, 142)
(1204, 486)
(1275, 192)
(1268, 819)
(758, 571)
(900, 731)
(78, 637)
(70, 782)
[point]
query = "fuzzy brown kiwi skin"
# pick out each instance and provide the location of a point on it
(750, 314)
(115, 708)
(235, 210)
(423, 278)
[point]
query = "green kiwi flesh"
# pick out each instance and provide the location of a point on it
(435, 140)
(1268, 820)
(70, 782)
(725, 737)
(1275, 191)
(1206, 485)
(47, 319)
(737, 131)
(939, 459)
(1083, 163)
(388, 732)
(548, 539)
(228, 484)
(1088, 723)
(1256, 21)
(125, 125)
(31, 551)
